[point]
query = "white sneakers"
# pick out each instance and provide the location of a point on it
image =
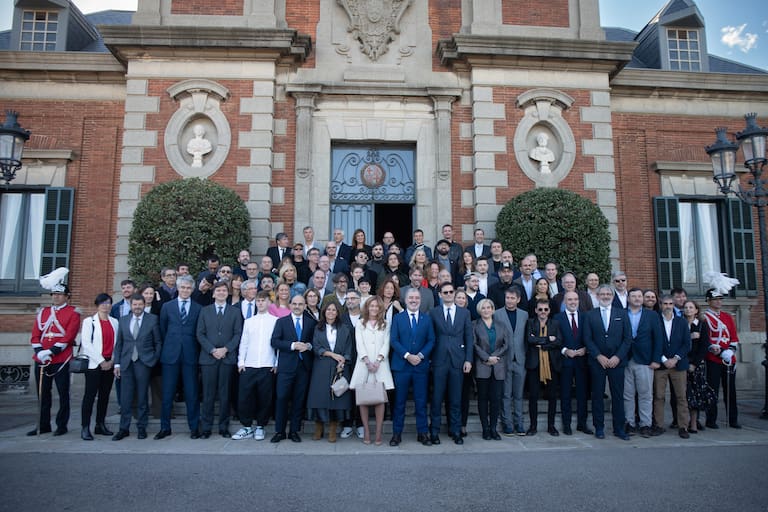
(250, 433)
(360, 432)
(346, 432)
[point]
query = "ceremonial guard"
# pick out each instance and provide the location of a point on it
(53, 337)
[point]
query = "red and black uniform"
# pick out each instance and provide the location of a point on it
(53, 337)
(722, 333)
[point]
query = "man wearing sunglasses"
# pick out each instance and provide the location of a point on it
(620, 293)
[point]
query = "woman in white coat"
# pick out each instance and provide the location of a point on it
(372, 341)
(97, 341)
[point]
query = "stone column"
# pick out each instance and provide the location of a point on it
(442, 192)
(305, 108)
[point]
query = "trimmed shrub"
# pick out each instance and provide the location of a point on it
(186, 220)
(557, 225)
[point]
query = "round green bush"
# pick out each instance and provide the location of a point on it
(560, 226)
(186, 221)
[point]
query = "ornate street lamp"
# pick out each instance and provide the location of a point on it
(12, 139)
(723, 154)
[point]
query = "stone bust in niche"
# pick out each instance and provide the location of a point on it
(542, 154)
(198, 146)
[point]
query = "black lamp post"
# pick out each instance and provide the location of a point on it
(12, 139)
(723, 153)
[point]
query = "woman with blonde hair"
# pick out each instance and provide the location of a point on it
(372, 342)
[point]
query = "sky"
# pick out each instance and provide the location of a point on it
(736, 29)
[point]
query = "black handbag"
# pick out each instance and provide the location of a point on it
(79, 363)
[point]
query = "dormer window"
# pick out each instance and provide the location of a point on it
(38, 30)
(684, 50)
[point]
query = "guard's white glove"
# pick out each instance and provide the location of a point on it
(44, 356)
(727, 356)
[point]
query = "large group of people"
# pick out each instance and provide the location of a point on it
(328, 334)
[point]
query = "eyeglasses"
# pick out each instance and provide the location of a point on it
(667, 303)
(447, 292)
(619, 280)
(225, 271)
(542, 310)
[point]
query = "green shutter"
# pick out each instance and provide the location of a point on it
(57, 228)
(668, 258)
(742, 247)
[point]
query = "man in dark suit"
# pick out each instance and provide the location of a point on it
(526, 282)
(178, 328)
(515, 319)
(543, 362)
(412, 339)
(293, 338)
(569, 285)
(123, 306)
(218, 332)
(343, 251)
(574, 363)
(281, 249)
(479, 248)
(608, 336)
(137, 349)
(620, 294)
(676, 344)
(644, 358)
(452, 357)
(418, 243)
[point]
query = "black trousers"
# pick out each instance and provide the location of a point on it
(98, 382)
(60, 374)
(533, 396)
(291, 387)
(216, 380)
(489, 401)
(255, 396)
(718, 374)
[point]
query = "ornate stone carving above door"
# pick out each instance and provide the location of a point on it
(374, 23)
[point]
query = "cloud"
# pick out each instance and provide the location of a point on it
(732, 37)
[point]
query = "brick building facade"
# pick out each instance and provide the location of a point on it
(454, 90)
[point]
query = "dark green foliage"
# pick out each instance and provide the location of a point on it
(186, 220)
(557, 225)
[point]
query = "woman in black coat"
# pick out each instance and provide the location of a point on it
(333, 344)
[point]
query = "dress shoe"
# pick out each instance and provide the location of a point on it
(435, 439)
(600, 433)
(102, 430)
(458, 439)
(294, 436)
(732, 425)
(207, 434)
(712, 425)
(646, 432)
(487, 435)
(121, 434)
(586, 430)
(162, 434)
(279, 436)
(463, 432)
(142, 433)
(683, 433)
(553, 431)
(495, 435)
(693, 431)
(225, 433)
(60, 431)
(656, 431)
(33, 432)
(395, 441)
(424, 439)
(531, 431)
(195, 434)
(85, 434)
(621, 435)
(630, 430)
(567, 430)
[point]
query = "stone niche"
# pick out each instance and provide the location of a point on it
(198, 136)
(545, 148)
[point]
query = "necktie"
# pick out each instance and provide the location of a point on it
(298, 335)
(249, 313)
(280, 251)
(135, 333)
(574, 327)
(448, 317)
(413, 322)
(220, 313)
(604, 312)
(183, 310)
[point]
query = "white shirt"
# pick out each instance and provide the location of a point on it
(256, 342)
(483, 288)
(244, 308)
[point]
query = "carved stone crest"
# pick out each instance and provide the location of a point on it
(374, 23)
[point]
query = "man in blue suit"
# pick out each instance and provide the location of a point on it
(676, 344)
(412, 339)
(608, 336)
(574, 364)
(644, 358)
(451, 359)
(178, 325)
